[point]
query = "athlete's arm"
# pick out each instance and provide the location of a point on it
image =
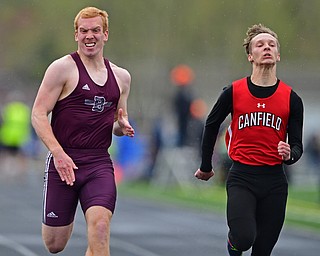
(295, 128)
(219, 112)
(121, 125)
(53, 86)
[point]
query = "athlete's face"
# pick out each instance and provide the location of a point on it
(90, 36)
(264, 50)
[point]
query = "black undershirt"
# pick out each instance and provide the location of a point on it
(223, 107)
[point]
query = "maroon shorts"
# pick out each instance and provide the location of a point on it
(94, 186)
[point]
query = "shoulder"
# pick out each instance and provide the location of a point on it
(295, 95)
(61, 66)
(285, 87)
(122, 75)
(241, 81)
(295, 99)
(227, 91)
(61, 76)
(225, 97)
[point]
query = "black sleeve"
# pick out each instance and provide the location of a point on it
(219, 112)
(295, 127)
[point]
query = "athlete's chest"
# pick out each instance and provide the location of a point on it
(245, 102)
(98, 76)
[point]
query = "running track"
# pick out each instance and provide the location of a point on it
(138, 229)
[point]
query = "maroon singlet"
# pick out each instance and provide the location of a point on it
(82, 123)
(90, 102)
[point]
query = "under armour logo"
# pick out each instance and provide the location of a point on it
(98, 103)
(259, 105)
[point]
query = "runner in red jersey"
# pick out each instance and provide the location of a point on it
(259, 119)
(87, 96)
(264, 134)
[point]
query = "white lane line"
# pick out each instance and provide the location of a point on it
(16, 246)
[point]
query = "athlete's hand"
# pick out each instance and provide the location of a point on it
(203, 175)
(284, 150)
(65, 167)
(124, 124)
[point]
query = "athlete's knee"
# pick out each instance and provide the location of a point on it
(243, 241)
(54, 244)
(54, 247)
(101, 229)
(56, 238)
(98, 220)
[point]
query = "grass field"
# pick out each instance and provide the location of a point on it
(303, 210)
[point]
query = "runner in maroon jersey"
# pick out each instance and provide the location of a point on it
(265, 132)
(87, 96)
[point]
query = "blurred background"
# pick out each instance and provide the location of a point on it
(151, 38)
(180, 55)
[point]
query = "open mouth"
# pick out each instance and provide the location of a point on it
(89, 45)
(267, 56)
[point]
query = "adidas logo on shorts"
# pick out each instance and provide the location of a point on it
(52, 215)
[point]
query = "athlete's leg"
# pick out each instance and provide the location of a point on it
(98, 224)
(56, 238)
(98, 198)
(241, 207)
(232, 250)
(59, 206)
(270, 218)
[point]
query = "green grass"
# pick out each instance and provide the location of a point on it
(303, 209)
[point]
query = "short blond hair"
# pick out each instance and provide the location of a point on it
(91, 12)
(254, 31)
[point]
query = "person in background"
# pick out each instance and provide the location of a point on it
(312, 152)
(15, 133)
(264, 134)
(87, 96)
(182, 76)
(198, 111)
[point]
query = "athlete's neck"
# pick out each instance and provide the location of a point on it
(93, 62)
(264, 77)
